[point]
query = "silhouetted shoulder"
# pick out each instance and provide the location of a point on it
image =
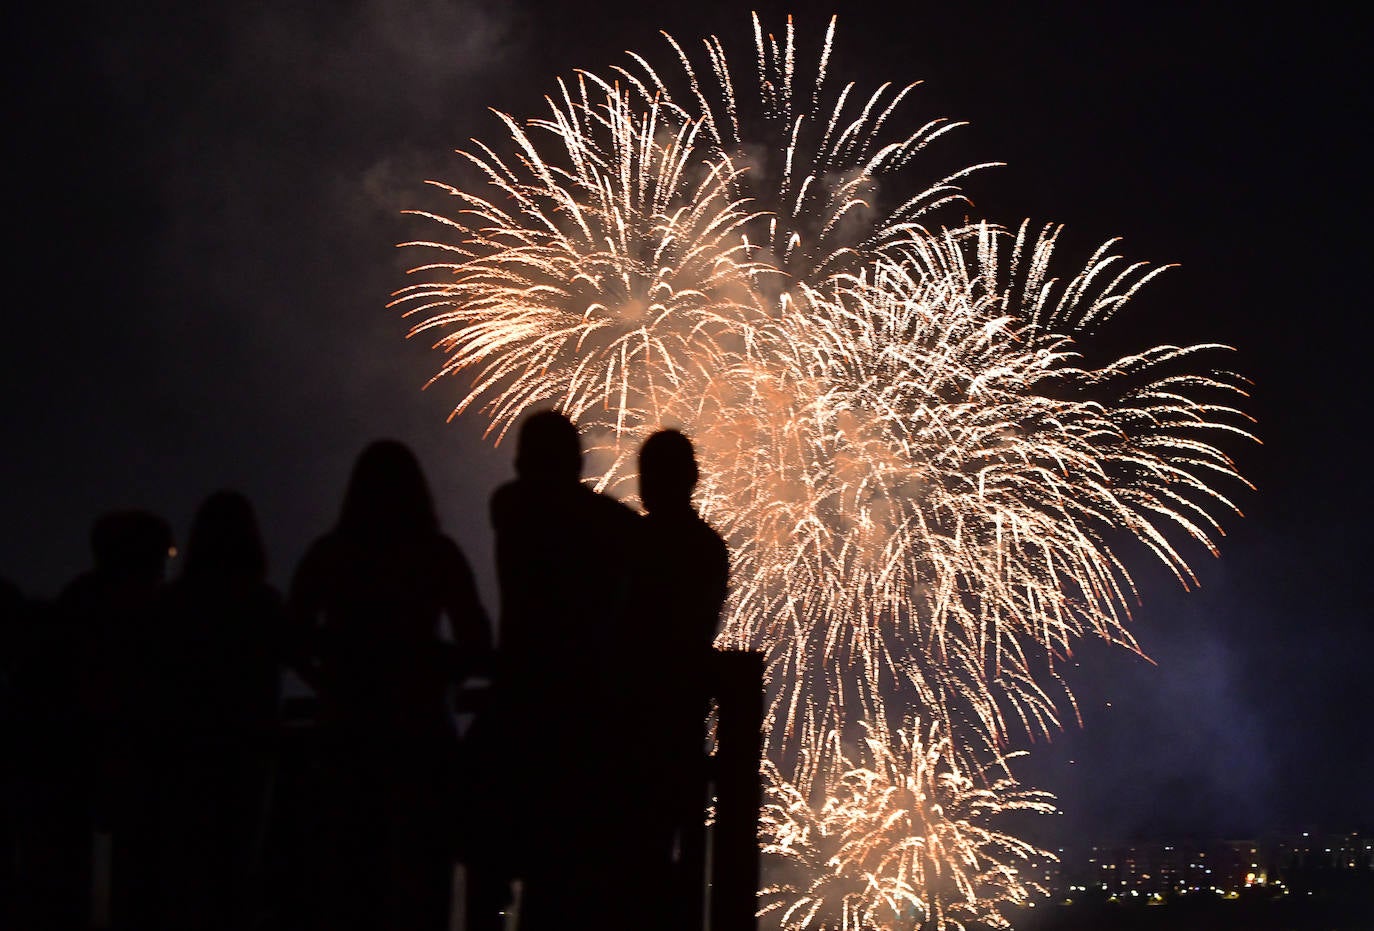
(81, 595)
(12, 605)
(220, 648)
(320, 555)
(249, 594)
(15, 633)
(714, 552)
(681, 544)
(308, 582)
(507, 497)
(449, 557)
(614, 510)
(537, 515)
(12, 637)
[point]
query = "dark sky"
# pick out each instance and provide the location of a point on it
(206, 197)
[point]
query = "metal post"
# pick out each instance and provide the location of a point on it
(734, 875)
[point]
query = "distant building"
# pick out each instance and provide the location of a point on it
(1223, 866)
(1309, 852)
(1047, 873)
(1161, 868)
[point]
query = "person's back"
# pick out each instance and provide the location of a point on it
(105, 616)
(224, 643)
(220, 648)
(682, 568)
(44, 763)
(14, 632)
(561, 560)
(380, 657)
(561, 551)
(221, 630)
(111, 606)
(369, 600)
(562, 554)
(681, 578)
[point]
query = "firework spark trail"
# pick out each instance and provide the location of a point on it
(815, 162)
(962, 475)
(924, 488)
(904, 840)
(605, 280)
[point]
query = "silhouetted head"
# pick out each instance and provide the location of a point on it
(667, 471)
(548, 448)
(387, 494)
(132, 543)
(225, 540)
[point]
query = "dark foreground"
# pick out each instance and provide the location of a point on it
(1349, 909)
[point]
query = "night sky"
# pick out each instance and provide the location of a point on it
(203, 216)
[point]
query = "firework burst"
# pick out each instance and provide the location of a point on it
(927, 491)
(953, 479)
(905, 839)
(603, 275)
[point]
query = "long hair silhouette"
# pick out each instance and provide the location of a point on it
(387, 495)
(225, 539)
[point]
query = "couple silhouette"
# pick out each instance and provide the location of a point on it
(594, 742)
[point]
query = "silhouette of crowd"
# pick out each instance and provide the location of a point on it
(156, 776)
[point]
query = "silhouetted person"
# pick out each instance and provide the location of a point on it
(104, 618)
(48, 756)
(371, 596)
(15, 622)
(562, 555)
(220, 643)
(681, 575)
